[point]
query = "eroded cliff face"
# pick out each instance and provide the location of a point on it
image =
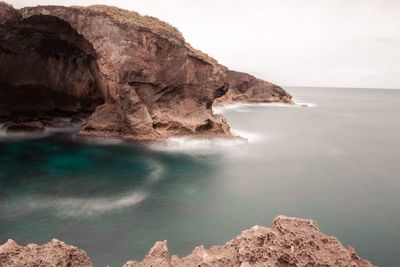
(290, 242)
(136, 75)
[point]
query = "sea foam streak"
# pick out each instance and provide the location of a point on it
(75, 206)
(246, 107)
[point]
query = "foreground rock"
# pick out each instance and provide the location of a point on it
(246, 88)
(135, 74)
(290, 242)
(54, 253)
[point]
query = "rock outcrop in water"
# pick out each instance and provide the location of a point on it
(290, 242)
(246, 88)
(135, 75)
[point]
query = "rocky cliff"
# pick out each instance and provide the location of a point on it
(290, 242)
(246, 88)
(135, 75)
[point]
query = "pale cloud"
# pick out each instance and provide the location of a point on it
(290, 42)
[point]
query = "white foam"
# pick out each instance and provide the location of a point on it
(251, 137)
(246, 107)
(193, 145)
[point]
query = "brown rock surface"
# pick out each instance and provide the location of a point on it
(8, 13)
(101, 59)
(290, 242)
(246, 88)
(54, 253)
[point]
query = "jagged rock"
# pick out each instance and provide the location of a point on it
(246, 88)
(101, 60)
(290, 242)
(54, 253)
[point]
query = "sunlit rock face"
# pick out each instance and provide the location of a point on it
(135, 75)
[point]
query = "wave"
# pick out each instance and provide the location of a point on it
(74, 206)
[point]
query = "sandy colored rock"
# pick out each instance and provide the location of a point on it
(290, 242)
(51, 254)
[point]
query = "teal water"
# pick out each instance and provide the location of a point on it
(336, 162)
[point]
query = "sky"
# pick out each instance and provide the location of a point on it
(330, 43)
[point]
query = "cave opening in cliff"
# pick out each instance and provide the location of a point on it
(47, 70)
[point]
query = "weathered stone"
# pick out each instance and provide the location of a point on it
(54, 254)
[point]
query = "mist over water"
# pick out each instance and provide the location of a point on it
(335, 161)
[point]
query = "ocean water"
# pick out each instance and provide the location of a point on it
(335, 160)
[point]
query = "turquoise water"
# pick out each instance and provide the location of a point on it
(336, 162)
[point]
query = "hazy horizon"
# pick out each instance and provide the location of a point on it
(291, 43)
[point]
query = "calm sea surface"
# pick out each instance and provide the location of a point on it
(337, 162)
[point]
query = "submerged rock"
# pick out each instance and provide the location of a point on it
(32, 126)
(290, 242)
(136, 75)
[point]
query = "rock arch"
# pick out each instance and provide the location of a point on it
(47, 68)
(153, 83)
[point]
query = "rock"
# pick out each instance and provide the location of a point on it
(32, 126)
(54, 253)
(101, 59)
(290, 242)
(248, 89)
(8, 13)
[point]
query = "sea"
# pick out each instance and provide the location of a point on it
(334, 157)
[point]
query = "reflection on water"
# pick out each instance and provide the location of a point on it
(335, 161)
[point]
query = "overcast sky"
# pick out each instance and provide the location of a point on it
(344, 43)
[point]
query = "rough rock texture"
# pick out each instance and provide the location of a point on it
(136, 74)
(246, 88)
(290, 242)
(54, 253)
